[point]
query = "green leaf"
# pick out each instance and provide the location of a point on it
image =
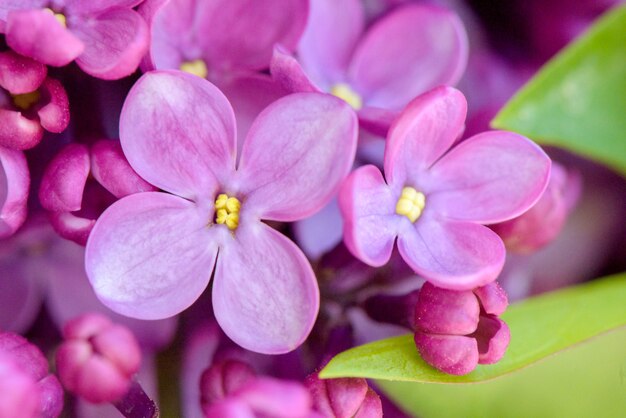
(588, 380)
(540, 327)
(578, 100)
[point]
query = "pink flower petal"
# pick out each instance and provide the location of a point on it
(295, 155)
(94, 6)
(18, 131)
(288, 73)
(53, 108)
(14, 183)
(241, 34)
(408, 52)
(452, 255)
(425, 130)
(38, 35)
(265, 295)
(178, 133)
(444, 311)
(493, 298)
(371, 407)
(368, 208)
(6, 6)
(332, 32)
(489, 178)
(64, 179)
(493, 336)
(19, 75)
(232, 408)
(276, 398)
(111, 169)
(115, 42)
(71, 227)
(150, 255)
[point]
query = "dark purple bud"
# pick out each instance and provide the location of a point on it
(98, 358)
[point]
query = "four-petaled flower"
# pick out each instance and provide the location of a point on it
(150, 255)
(436, 199)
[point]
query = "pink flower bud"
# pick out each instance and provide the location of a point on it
(543, 222)
(23, 367)
(13, 190)
(344, 398)
(456, 330)
(97, 359)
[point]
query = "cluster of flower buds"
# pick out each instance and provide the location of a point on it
(266, 166)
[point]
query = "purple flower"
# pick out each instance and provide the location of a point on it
(97, 359)
(30, 102)
(13, 190)
(19, 395)
(456, 330)
(435, 200)
(105, 37)
(150, 255)
(344, 398)
(32, 364)
(219, 38)
(411, 50)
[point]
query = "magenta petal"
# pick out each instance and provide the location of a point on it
(346, 395)
(111, 169)
(64, 179)
(37, 34)
(150, 255)
(425, 130)
(17, 131)
(453, 354)
(241, 34)
(14, 183)
(6, 6)
(368, 208)
(288, 73)
(115, 42)
(489, 178)
(408, 52)
(53, 109)
(493, 298)
(371, 407)
(265, 294)
(71, 227)
(452, 255)
(231, 408)
(275, 398)
(332, 32)
(20, 74)
(296, 154)
(178, 133)
(493, 336)
(444, 311)
(94, 6)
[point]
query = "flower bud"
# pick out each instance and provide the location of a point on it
(344, 398)
(97, 359)
(456, 330)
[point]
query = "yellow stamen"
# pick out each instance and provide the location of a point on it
(26, 100)
(59, 16)
(227, 211)
(345, 92)
(411, 203)
(196, 67)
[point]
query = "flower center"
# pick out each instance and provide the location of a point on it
(196, 67)
(227, 211)
(60, 17)
(26, 100)
(411, 203)
(345, 93)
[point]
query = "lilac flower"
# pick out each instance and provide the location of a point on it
(30, 102)
(231, 388)
(28, 359)
(435, 199)
(220, 38)
(97, 359)
(105, 37)
(15, 180)
(410, 51)
(63, 187)
(543, 222)
(456, 330)
(344, 398)
(18, 392)
(150, 255)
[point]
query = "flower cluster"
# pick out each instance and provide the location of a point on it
(273, 175)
